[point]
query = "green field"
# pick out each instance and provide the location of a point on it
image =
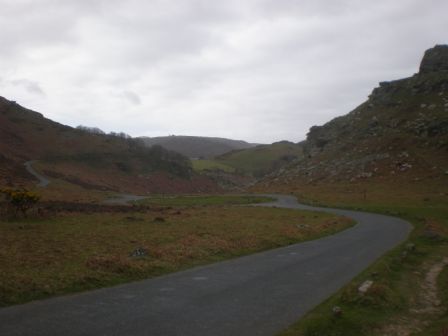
(201, 165)
(203, 200)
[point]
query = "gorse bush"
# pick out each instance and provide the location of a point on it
(20, 200)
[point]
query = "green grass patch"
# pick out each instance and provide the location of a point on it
(261, 159)
(204, 200)
(74, 252)
(200, 165)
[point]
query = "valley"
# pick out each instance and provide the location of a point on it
(109, 209)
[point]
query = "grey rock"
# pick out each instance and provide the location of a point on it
(435, 59)
(139, 252)
(431, 235)
(410, 247)
(337, 311)
(365, 286)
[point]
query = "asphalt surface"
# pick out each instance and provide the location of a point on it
(43, 181)
(260, 294)
(123, 199)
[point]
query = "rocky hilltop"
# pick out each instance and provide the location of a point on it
(399, 133)
(435, 59)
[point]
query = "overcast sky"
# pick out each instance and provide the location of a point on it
(257, 70)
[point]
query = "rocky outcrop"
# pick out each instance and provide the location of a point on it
(435, 59)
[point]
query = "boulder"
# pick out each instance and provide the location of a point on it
(365, 286)
(139, 252)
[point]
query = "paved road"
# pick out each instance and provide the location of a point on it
(43, 181)
(123, 199)
(255, 295)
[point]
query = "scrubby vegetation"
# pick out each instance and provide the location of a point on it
(137, 159)
(18, 201)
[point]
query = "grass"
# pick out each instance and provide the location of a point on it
(203, 200)
(397, 275)
(65, 191)
(261, 159)
(68, 253)
(201, 165)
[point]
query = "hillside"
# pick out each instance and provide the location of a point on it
(93, 161)
(197, 147)
(238, 169)
(398, 136)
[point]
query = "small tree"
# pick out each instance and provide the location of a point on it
(20, 200)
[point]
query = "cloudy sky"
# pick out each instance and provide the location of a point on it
(257, 70)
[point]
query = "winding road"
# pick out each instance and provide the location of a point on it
(260, 294)
(123, 199)
(43, 181)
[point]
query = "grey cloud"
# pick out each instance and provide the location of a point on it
(132, 97)
(30, 86)
(261, 70)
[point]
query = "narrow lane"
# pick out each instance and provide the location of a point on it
(43, 181)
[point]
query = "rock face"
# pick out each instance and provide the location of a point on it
(435, 59)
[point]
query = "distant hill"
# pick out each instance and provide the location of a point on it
(95, 161)
(399, 135)
(196, 146)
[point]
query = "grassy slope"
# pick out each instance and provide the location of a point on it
(111, 179)
(259, 160)
(43, 257)
(90, 160)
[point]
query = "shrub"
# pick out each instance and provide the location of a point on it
(20, 200)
